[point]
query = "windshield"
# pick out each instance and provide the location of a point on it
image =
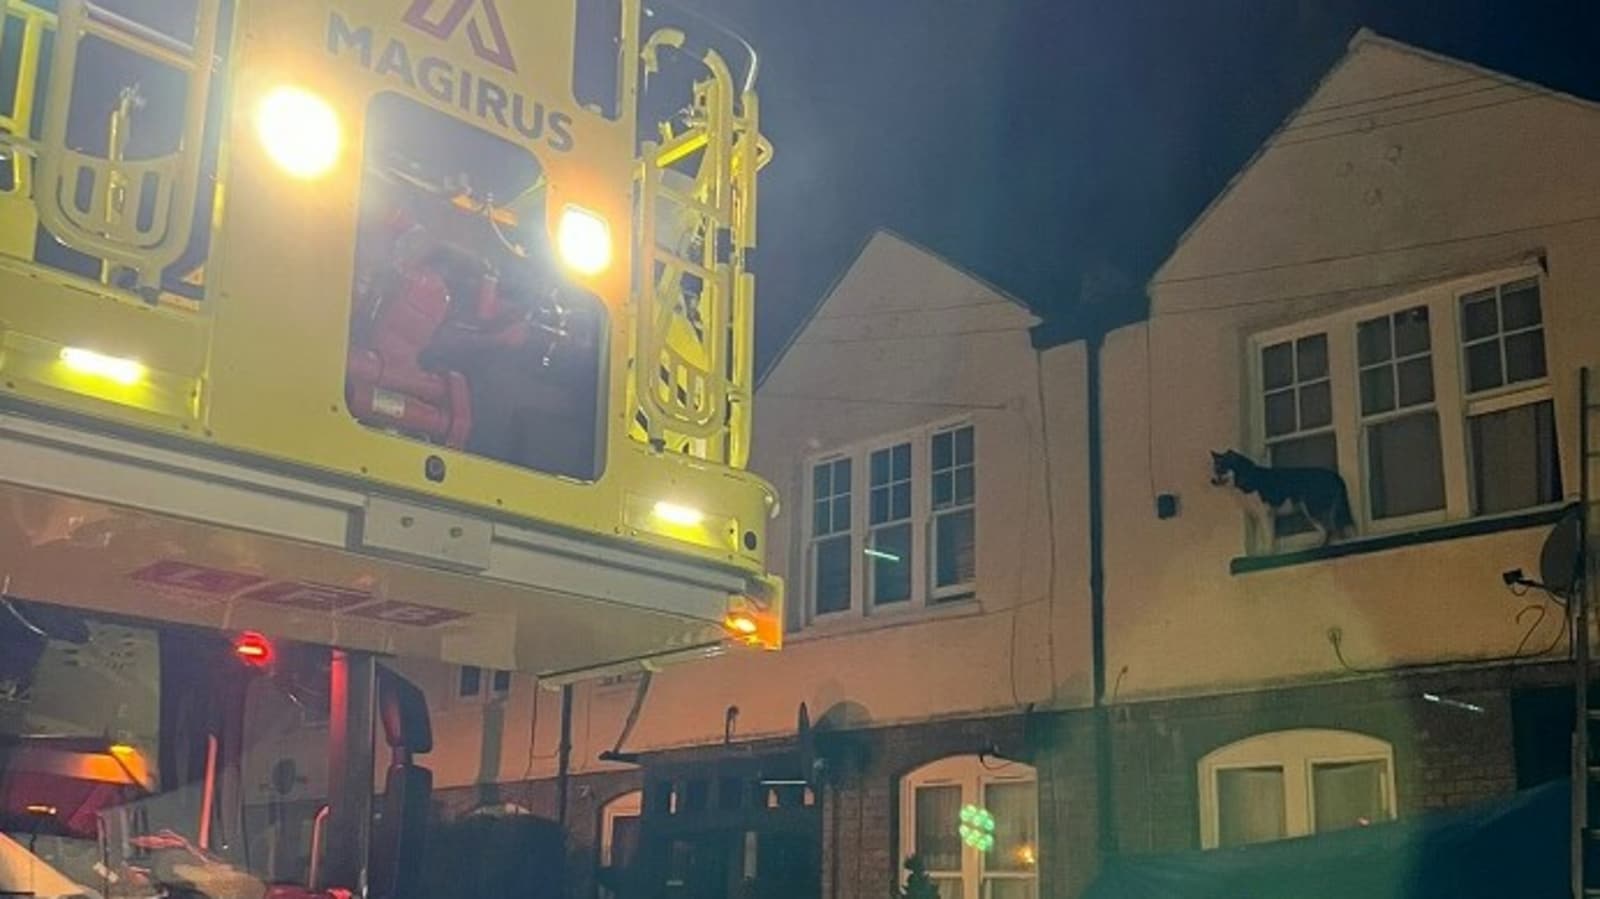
(464, 330)
(138, 760)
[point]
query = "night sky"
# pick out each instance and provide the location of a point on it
(1028, 140)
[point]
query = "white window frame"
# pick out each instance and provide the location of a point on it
(1263, 443)
(1451, 402)
(920, 571)
(923, 595)
(973, 774)
(812, 539)
(1508, 395)
(1369, 420)
(1297, 752)
(949, 591)
(628, 805)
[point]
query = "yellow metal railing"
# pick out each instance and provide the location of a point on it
(109, 227)
(694, 336)
(15, 127)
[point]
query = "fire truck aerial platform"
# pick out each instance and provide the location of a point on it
(404, 327)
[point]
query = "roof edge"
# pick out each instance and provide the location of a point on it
(1363, 37)
(811, 314)
(855, 259)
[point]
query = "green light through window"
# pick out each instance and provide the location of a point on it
(977, 828)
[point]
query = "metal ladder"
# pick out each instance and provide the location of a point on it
(1586, 735)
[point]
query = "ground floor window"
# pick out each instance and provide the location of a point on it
(974, 823)
(1293, 783)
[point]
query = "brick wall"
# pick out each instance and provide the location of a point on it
(1447, 753)
(1068, 804)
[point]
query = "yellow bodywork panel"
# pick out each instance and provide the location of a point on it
(253, 365)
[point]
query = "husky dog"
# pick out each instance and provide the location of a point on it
(1317, 493)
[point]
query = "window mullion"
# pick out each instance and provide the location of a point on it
(1448, 390)
(921, 529)
(971, 858)
(1297, 796)
(860, 502)
(1345, 388)
(808, 541)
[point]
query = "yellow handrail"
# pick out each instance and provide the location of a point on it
(169, 183)
(16, 128)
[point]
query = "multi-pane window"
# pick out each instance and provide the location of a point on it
(1435, 406)
(890, 548)
(1297, 409)
(1404, 466)
(934, 798)
(954, 485)
(831, 559)
(1510, 414)
(1502, 333)
(911, 541)
(1294, 783)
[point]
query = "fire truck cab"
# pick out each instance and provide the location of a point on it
(338, 331)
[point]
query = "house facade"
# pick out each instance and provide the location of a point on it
(1399, 287)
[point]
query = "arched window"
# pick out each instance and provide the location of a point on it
(1294, 782)
(932, 801)
(619, 841)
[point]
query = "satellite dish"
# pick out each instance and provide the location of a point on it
(1561, 559)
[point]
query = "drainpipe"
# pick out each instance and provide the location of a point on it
(564, 758)
(1106, 817)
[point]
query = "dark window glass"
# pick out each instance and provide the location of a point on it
(1515, 460)
(832, 576)
(891, 564)
(1405, 468)
(470, 681)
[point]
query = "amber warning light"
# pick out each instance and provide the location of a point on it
(741, 623)
(253, 649)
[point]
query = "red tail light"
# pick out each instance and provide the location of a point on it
(253, 649)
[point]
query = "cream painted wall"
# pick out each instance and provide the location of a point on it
(1363, 207)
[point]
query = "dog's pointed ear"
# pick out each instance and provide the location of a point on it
(1216, 456)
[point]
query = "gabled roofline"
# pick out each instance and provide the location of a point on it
(816, 306)
(1362, 38)
(965, 272)
(844, 272)
(1366, 36)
